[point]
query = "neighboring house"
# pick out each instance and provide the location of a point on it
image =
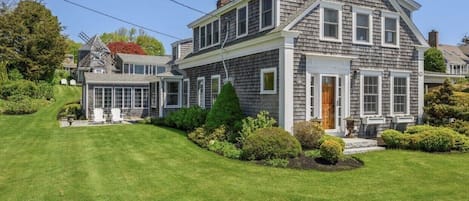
(69, 64)
(133, 64)
(313, 59)
(94, 56)
(457, 63)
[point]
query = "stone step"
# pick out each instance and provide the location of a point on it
(359, 143)
(363, 150)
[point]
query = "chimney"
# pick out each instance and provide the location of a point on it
(221, 3)
(433, 39)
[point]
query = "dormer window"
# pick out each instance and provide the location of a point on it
(390, 30)
(331, 22)
(242, 23)
(267, 14)
(216, 31)
(202, 37)
(210, 34)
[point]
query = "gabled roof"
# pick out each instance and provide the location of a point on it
(144, 59)
(95, 44)
(453, 55)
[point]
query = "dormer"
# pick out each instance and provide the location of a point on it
(181, 49)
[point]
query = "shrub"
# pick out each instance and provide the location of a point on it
(44, 91)
(418, 129)
(316, 153)
(339, 140)
(14, 75)
(72, 109)
(202, 136)
(59, 75)
(20, 87)
(461, 143)
(225, 149)
(461, 127)
(331, 151)
(392, 138)
(158, 121)
(250, 125)
(308, 134)
(226, 110)
(270, 143)
(438, 140)
(277, 162)
(24, 106)
(186, 119)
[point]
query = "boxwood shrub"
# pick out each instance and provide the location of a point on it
(331, 151)
(308, 134)
(270, 143)
(339, 140)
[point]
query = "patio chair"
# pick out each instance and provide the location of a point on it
(116, 115)
(63, 82)
(98, 115)
(73, 82)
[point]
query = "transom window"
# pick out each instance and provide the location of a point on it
(267, 16)
(362, 26)
(269, 81)
(215, 88)
(370, 95)
(172, 93)
(400, 95)
(242, 23)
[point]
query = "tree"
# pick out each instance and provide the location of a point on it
(72, 48)
(127, 48)
(226, 110)
(149, 44)
(3, 71)
(31, 42)
(434, 61)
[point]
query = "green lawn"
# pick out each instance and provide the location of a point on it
(39, 161)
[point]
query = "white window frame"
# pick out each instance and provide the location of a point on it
(334, 6)
(261, 15)
(362, 11)
(103, 96)
(200, 103)
(211, 87)
(384, 15)
(379, 74)
(268, 70)
(178, 105)
(247, 20)
(213, 35)
(131, 97)
(399, 74)
(187, 82)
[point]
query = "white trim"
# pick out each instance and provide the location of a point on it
(334, 6)
(178, 105)
(378, 74)
(363, 11)
(268, 70)
(277, 12)
(142, 98)
(247, 20)
(286, 81)
(211, 87)
(421, 83)
(273, 17)
(300, 17)
(201, 103)
(396, 74)
(392, 15)
(188, 91)
(216, 13)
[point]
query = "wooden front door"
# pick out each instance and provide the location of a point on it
(328, 102)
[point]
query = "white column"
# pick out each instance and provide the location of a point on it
(161, 99)
(421, 80)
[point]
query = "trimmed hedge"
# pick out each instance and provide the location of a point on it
(308, 134)
(334, 138)
(331, 151)
(186, 119)
(271, 143)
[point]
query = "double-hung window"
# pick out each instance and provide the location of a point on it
(371, 94)
(400, 93)
(172, 93)
(362, 26)
(390, 30)
(201, 92)
(215, 88)
(267, 14)
(242, 21)
(269, 81)
(331, 22)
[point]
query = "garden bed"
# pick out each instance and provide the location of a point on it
(309, 163)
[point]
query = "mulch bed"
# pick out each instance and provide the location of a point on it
(308, 163)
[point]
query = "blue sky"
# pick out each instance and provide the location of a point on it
(448, 17)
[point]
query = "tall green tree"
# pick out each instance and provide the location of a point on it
(434, 61)
(30, 40)
(149, 44)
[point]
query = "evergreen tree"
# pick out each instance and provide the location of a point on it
(30, 40)
(434, 61)
(226, 110)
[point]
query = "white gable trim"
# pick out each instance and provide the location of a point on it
(410, 23)
(303, 15)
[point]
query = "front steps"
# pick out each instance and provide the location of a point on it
(357, 146)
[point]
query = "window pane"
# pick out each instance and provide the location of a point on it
(202, 37)
(173, 87)
(209, 34)
(390, 37)
(161, 69)
(118, 101)
(331, 15)
(331, 30)
(362, 34)
(139, 69)
(107, 98)
(126, 68)
(269, 81)
(172, 93)
(127, 97)
(390, 24)
(242, 21)
(216, 32)
(266, 13)
(138, 98)
(363, 20)
(98, 98)
(200, 93)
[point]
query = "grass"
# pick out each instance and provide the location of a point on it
(39, 161)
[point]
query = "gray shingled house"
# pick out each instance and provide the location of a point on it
(311, 59)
